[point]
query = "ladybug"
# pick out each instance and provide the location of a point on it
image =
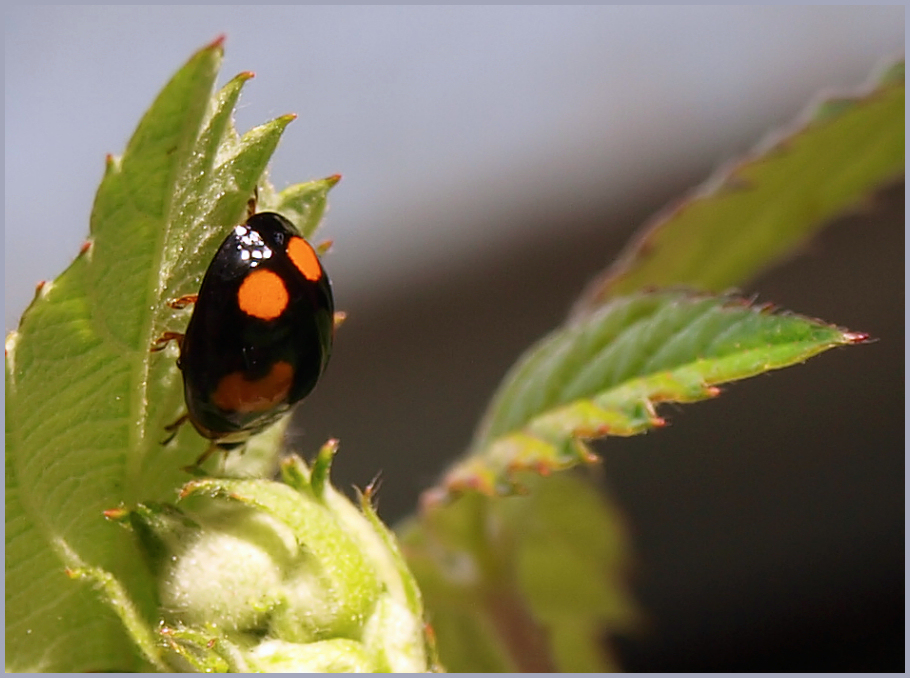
(260, 335)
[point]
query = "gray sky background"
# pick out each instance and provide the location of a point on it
(433, 115)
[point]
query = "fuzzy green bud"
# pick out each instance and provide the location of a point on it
(258, 575)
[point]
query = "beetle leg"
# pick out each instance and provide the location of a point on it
(174, 427)
(195, 467)
(161, 342)
(184, 301)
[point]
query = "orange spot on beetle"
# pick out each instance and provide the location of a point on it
(263, 295)
(304, 259)
(235, 393)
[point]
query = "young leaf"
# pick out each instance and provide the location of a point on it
(603, 374)
(760, 209)
(87, 402)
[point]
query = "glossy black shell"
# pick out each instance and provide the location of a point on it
(221, 339)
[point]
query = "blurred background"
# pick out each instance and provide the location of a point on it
(494, 160)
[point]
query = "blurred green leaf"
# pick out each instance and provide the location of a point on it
(760, 209)
(529, 583)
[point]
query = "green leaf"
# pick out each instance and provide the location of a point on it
(536, 582)
(304, 204)
(760, 209)
(603, 374)
(87, 402)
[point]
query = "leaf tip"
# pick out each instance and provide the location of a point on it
(332, 180)
(538, 466)
(322, 466)
(585, 454)
(42, 287)
(117, 515)
(295, 473)
(370, 493)
(372, 489)
(431, 499)
(10, 344)
(858, 338)
(190, 488)
(469, 477)
(216, 44)
(9, 355)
